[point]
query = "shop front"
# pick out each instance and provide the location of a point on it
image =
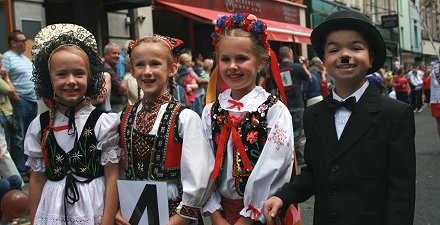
(194, 21)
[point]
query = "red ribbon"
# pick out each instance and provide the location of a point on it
(276, 75)
(235, 104)
(254, 210)
(43, 142)
(222, 140)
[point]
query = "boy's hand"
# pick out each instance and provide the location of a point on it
(271, 207)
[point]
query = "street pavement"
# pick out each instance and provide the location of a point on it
(427, 178)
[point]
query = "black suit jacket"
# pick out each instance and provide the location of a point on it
(366, 177)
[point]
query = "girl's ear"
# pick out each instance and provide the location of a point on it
(173, 69)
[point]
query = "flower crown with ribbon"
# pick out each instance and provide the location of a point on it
(172, 43)
(245, 21)
(249, 23)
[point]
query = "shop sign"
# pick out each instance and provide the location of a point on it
(390, 21)
(271, 10)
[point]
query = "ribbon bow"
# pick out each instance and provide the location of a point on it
(349, 104)
(236, 140)
(235, 104)
(254, 210)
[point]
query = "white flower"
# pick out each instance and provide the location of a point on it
(59, 158)
(76, 156)
(88, 132)
(93, 147)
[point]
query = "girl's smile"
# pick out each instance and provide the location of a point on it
(238, 64)
(69, 75)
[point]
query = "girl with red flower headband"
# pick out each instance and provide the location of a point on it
(161, 139)
(249, 129)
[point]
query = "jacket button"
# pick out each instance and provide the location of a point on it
(332, 217)
(334, 190)
(335, 168)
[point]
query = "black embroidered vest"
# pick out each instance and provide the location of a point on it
(84, 161)
(253, 134)
(162, 163)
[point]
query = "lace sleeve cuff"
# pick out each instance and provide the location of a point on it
(36, 164)
(112, 155)
(188, 212)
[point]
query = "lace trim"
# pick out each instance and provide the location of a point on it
(112, 155)
(59, 220)
(36, 164)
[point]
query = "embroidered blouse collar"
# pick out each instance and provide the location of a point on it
(248, 103)
(153, 105)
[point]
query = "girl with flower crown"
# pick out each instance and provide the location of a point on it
(249, 130)
(162, 140)
(73, 148)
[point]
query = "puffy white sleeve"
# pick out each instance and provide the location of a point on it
(197, 162)
(274, 166)
(32, 146)
(214, 201)
(108, 138)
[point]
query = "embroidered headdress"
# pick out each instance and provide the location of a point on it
(249, 23)
(54, 36)
(172, 43)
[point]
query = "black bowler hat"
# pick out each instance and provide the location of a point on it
(350, 20)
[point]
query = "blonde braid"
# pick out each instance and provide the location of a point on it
(172, 86)
(52, 111)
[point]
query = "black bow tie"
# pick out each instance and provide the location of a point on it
(349, 103)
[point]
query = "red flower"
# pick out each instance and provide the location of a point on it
(252, 136)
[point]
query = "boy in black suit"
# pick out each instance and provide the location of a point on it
(360, 151)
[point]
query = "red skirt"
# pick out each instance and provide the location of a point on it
(435, 109)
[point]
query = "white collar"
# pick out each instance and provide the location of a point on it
(357, 94)
(250, 101)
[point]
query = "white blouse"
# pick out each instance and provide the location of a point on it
(274, 166)
(197, 160)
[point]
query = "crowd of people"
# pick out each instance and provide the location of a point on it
(225, 136)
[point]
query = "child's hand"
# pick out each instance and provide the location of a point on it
(217, 219)
(119, 219)
(178, 220)
(271, 207)
(244, 221)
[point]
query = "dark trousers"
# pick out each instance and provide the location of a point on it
(24, 111)
(416, 99)
(427, 93)
(402, 96)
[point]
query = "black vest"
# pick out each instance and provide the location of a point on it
(253, 134)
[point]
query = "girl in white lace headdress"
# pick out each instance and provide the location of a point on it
(73, 148)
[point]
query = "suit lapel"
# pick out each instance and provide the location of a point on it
(324, 123)
(360, 121)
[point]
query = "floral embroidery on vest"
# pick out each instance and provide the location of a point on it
(85, 160)
(253, 134)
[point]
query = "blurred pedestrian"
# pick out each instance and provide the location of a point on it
(118, 94)
(435, 92)
(24, 103)
(427, 87)
(416, 84)
(401, 85)
(293, 75)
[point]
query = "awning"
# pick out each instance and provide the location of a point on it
(277, 31)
